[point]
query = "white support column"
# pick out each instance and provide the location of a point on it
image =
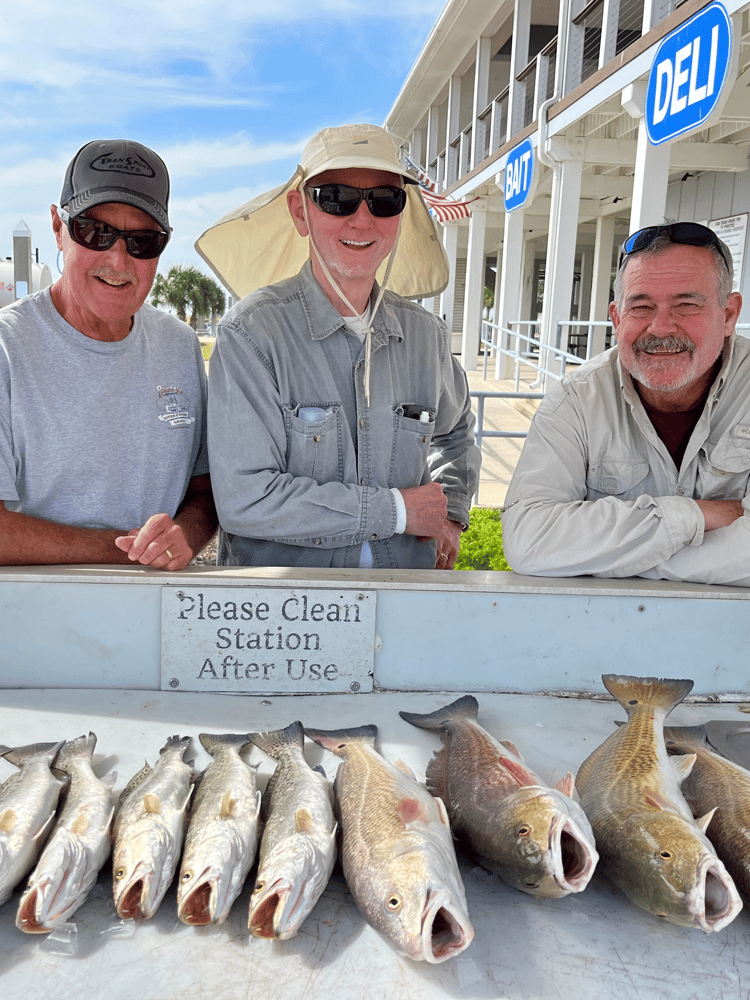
(451, 130)
(508, 307)
(518, 59)
(448, 297)
(431, 150)
(561, 250)
(601, 280)
(474, 294)
(481, 92)
(415, 151)
(649, 182)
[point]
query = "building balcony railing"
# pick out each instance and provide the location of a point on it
(597, 34)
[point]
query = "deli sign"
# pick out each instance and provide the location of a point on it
(688, 74)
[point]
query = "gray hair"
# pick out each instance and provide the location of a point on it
(724, 271)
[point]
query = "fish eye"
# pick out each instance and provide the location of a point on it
(259, 887)
(531, 885)
(667, 855)
(120, 873)
(187, 875)
(523, 831)
(394, 903)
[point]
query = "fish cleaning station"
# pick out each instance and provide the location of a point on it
(137, 656)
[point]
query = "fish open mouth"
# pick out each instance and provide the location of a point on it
(196, 908)
(275, 913)
(27, 916)
(577, 857)
(722, 902)
(444, 933)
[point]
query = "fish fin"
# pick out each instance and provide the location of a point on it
(731, 740)
(657, 801)
(180, 743)
(81, 748)
(8, 820)
(684, 739)
(437, 774)
(19, 755)
(187, 798)
(41, 833)
(404, 768)
(466, 707)
(151, 803)
(510, 745)
(227, 805)
(410, 810)
(273, 742)
(303, 821)
(517, 771)
(211, 742)
(567, 784)
(336, 740)
(135, 781)
(320, 770)
(654, 692)
(683, 764)
(442, 812)
(703, 821)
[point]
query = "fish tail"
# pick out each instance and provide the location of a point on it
(179, 743)
(336, 740)
(654, 692)
(81, 748)
(211, 742)
(274, 741)
(685, 738)
(466, 707)
(19, 755)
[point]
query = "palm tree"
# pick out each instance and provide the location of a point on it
(186, 287)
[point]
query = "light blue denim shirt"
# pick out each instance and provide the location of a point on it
(295, 493)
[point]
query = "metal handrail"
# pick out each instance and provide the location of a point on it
(491, 343)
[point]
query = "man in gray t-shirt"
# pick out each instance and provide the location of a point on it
(103, 398)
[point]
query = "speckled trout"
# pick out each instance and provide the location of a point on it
(536, 838)
(298, 848)
(149, 826)
(397, 850)
(78, 845)
(28, 801)
(222, 834)
(649, 844)
(716, 783)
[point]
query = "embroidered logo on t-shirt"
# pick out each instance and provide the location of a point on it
(174, 406)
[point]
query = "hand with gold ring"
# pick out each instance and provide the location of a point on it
(160, 543)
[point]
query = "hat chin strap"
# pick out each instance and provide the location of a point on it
(355, 312)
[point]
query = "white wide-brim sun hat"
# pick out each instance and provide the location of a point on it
(257, 244)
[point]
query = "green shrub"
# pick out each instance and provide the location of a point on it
(482, 545)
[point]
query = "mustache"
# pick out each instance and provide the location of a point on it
(113, 275)
(650, 343)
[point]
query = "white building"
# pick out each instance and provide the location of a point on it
(571, 77)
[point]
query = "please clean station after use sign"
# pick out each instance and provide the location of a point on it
(267, 640)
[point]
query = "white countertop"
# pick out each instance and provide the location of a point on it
(588, 946)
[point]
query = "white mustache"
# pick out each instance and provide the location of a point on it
(111, 275)
(651, 343)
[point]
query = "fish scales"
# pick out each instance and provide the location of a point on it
(649, 843)
(397, 850)
(535, 837)
(298, 847)
(222, 834)
(721, 784)
(78, 845)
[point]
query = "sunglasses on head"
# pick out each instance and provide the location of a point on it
(688, 233)
(383, 201)
(143, 244)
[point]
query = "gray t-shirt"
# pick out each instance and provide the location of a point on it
(95, 434)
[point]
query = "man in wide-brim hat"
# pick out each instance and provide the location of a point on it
(340, 425)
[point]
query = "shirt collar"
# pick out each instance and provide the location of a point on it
(323, 319)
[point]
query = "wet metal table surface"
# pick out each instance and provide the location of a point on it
(592, 945)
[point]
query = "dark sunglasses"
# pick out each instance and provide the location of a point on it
(690, 233)
(384, 201)
(143, 244)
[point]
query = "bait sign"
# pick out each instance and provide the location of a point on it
(519, 174)
(267, 641)
(688, 74)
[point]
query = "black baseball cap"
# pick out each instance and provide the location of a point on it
(117, 170)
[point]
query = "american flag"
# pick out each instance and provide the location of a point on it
(441, 208)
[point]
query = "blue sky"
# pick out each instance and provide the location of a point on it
(226, 92)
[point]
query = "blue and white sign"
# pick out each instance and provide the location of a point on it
(519, 174)
(688, 74)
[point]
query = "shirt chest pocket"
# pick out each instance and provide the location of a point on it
(314, 441)
(611, 477)
(731, 453)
